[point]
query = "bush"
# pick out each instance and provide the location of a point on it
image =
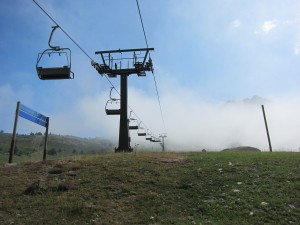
(52, 151)
(34, 189)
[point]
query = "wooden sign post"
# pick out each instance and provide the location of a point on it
(13, 140)
(33, 116)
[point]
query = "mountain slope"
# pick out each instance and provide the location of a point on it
(63, 144)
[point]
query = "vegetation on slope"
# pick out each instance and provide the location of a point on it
(241, 149)
(30, 147)
(154, 188)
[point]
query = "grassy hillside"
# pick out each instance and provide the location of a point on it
(30, 147)
(154, 188)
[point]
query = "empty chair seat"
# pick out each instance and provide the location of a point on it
(133, 127)
(55, 73)
(113, 111)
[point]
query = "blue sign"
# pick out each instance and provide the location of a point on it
(32, 115)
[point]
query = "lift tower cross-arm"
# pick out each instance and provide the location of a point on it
(112, 68)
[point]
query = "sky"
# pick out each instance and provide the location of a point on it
(215, 63)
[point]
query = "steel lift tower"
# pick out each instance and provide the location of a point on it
(123, 63)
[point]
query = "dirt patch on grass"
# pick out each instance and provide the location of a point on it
(171, 160)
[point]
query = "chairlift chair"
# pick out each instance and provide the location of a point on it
(148, 136)
(133, 123)
(155, 139)
(139, 67)
(141, 134)
(109, 110)
(55, 73)
(141, 131)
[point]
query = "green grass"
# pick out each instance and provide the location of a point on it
(153, 188)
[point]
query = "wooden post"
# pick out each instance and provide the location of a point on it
(13, 140)
(163, 136)
(46, 139)
(266, 124)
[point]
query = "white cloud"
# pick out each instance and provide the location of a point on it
(268, 26)
(196, 125)
(86, 118)
(297, 49)
(292, 21)
(192, 124)
(236, 23)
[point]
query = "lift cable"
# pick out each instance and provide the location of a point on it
(63, 30)
(158, 98)
(161, 113)
(83, 52)
(138, 6)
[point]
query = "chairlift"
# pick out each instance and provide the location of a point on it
(158, 140)
(133, 123)
(55, 73)
(148, 136)
(109, 109)
(138, 65)
(141, 130)
(149, 65)
(155, 139)
(152, 139)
